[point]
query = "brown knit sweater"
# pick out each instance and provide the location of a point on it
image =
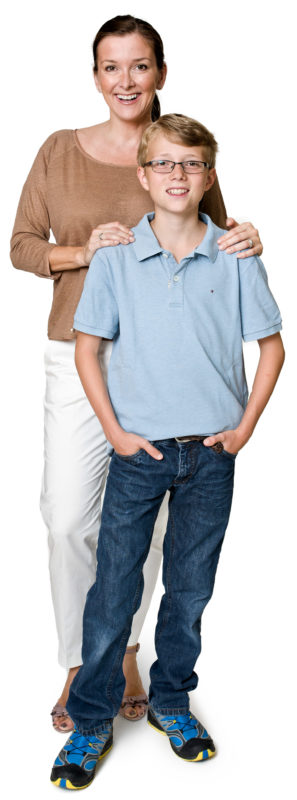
(69, 193)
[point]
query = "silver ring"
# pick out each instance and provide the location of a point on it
(251, 243)
(100, 235)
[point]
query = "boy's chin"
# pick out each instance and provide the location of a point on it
(179, 205)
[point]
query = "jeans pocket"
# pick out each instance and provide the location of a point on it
(132, 457)
(220, 451)
(228, 455)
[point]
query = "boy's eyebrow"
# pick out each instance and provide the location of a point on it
(110, 60)
(168, 155)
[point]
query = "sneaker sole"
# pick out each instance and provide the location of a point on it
(65, 783)
(202, 756)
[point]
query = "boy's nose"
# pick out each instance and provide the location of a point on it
(178, 172)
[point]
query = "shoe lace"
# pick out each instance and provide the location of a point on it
(80, 747)
(189, 725)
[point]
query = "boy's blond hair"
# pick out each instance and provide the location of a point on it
(179, 129)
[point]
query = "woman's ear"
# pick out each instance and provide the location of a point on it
(97, 82)
(162, 76)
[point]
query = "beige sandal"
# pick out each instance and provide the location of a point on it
(138, 703)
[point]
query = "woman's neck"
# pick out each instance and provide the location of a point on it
(125, 134)
(115, 141)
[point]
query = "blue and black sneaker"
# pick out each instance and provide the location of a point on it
(74, 767)
(188, 738)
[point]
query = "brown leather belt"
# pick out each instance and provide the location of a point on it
(218, 446)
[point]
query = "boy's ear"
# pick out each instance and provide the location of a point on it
(142, 178)
(210, 179)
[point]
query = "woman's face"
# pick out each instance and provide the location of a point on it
(128, 76)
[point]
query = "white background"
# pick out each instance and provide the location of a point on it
(230, 65)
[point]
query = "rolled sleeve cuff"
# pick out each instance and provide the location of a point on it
(49, 273)
(104, 333)
(251, 337)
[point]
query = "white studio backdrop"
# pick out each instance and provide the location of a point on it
(231, 65)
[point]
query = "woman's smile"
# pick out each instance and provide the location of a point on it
(128, 99)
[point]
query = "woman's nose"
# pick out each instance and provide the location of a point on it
(127, 79)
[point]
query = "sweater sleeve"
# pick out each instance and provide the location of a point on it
(30, 247)
(213, 204)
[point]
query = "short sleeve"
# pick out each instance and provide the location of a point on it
(97, 311)
(260, 315)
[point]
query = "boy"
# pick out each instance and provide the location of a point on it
(175, 416)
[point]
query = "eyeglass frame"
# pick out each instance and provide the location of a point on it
(175, 164)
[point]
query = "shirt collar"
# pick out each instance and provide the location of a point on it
(146, 244)
(209, 246)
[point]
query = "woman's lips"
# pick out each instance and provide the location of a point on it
(128, 99)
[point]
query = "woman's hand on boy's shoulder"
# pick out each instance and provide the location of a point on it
(243, 239)
(232, 441)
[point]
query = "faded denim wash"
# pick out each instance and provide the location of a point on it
(200, 481)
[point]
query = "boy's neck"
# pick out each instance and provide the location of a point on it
(178, 233)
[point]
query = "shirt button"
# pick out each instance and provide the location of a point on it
(165, 255)
(176, 278)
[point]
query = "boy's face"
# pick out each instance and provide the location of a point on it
(175, 191)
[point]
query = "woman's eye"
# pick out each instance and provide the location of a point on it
(109, 68)
(142, 67)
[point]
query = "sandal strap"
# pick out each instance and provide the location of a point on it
(134, 700)
(59, 711)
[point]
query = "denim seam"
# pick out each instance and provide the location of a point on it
(170, 711)
(114, 671)
(170, 529)
(179, 481)
(97, 730)
(194, 452)
(124, 639)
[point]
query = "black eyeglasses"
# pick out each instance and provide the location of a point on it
(168, 166)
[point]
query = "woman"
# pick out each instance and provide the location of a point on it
(80, 181)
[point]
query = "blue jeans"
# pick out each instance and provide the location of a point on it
(200, 481)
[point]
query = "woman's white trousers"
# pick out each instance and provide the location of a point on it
(75, 468)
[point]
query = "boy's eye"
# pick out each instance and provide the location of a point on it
(193, 163)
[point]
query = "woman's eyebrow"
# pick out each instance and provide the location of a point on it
(110, 60)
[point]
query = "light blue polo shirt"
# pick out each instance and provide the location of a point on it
(176, 367)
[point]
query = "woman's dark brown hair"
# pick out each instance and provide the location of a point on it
(120, 26)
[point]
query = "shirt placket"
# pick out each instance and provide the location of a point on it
(176, 275)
